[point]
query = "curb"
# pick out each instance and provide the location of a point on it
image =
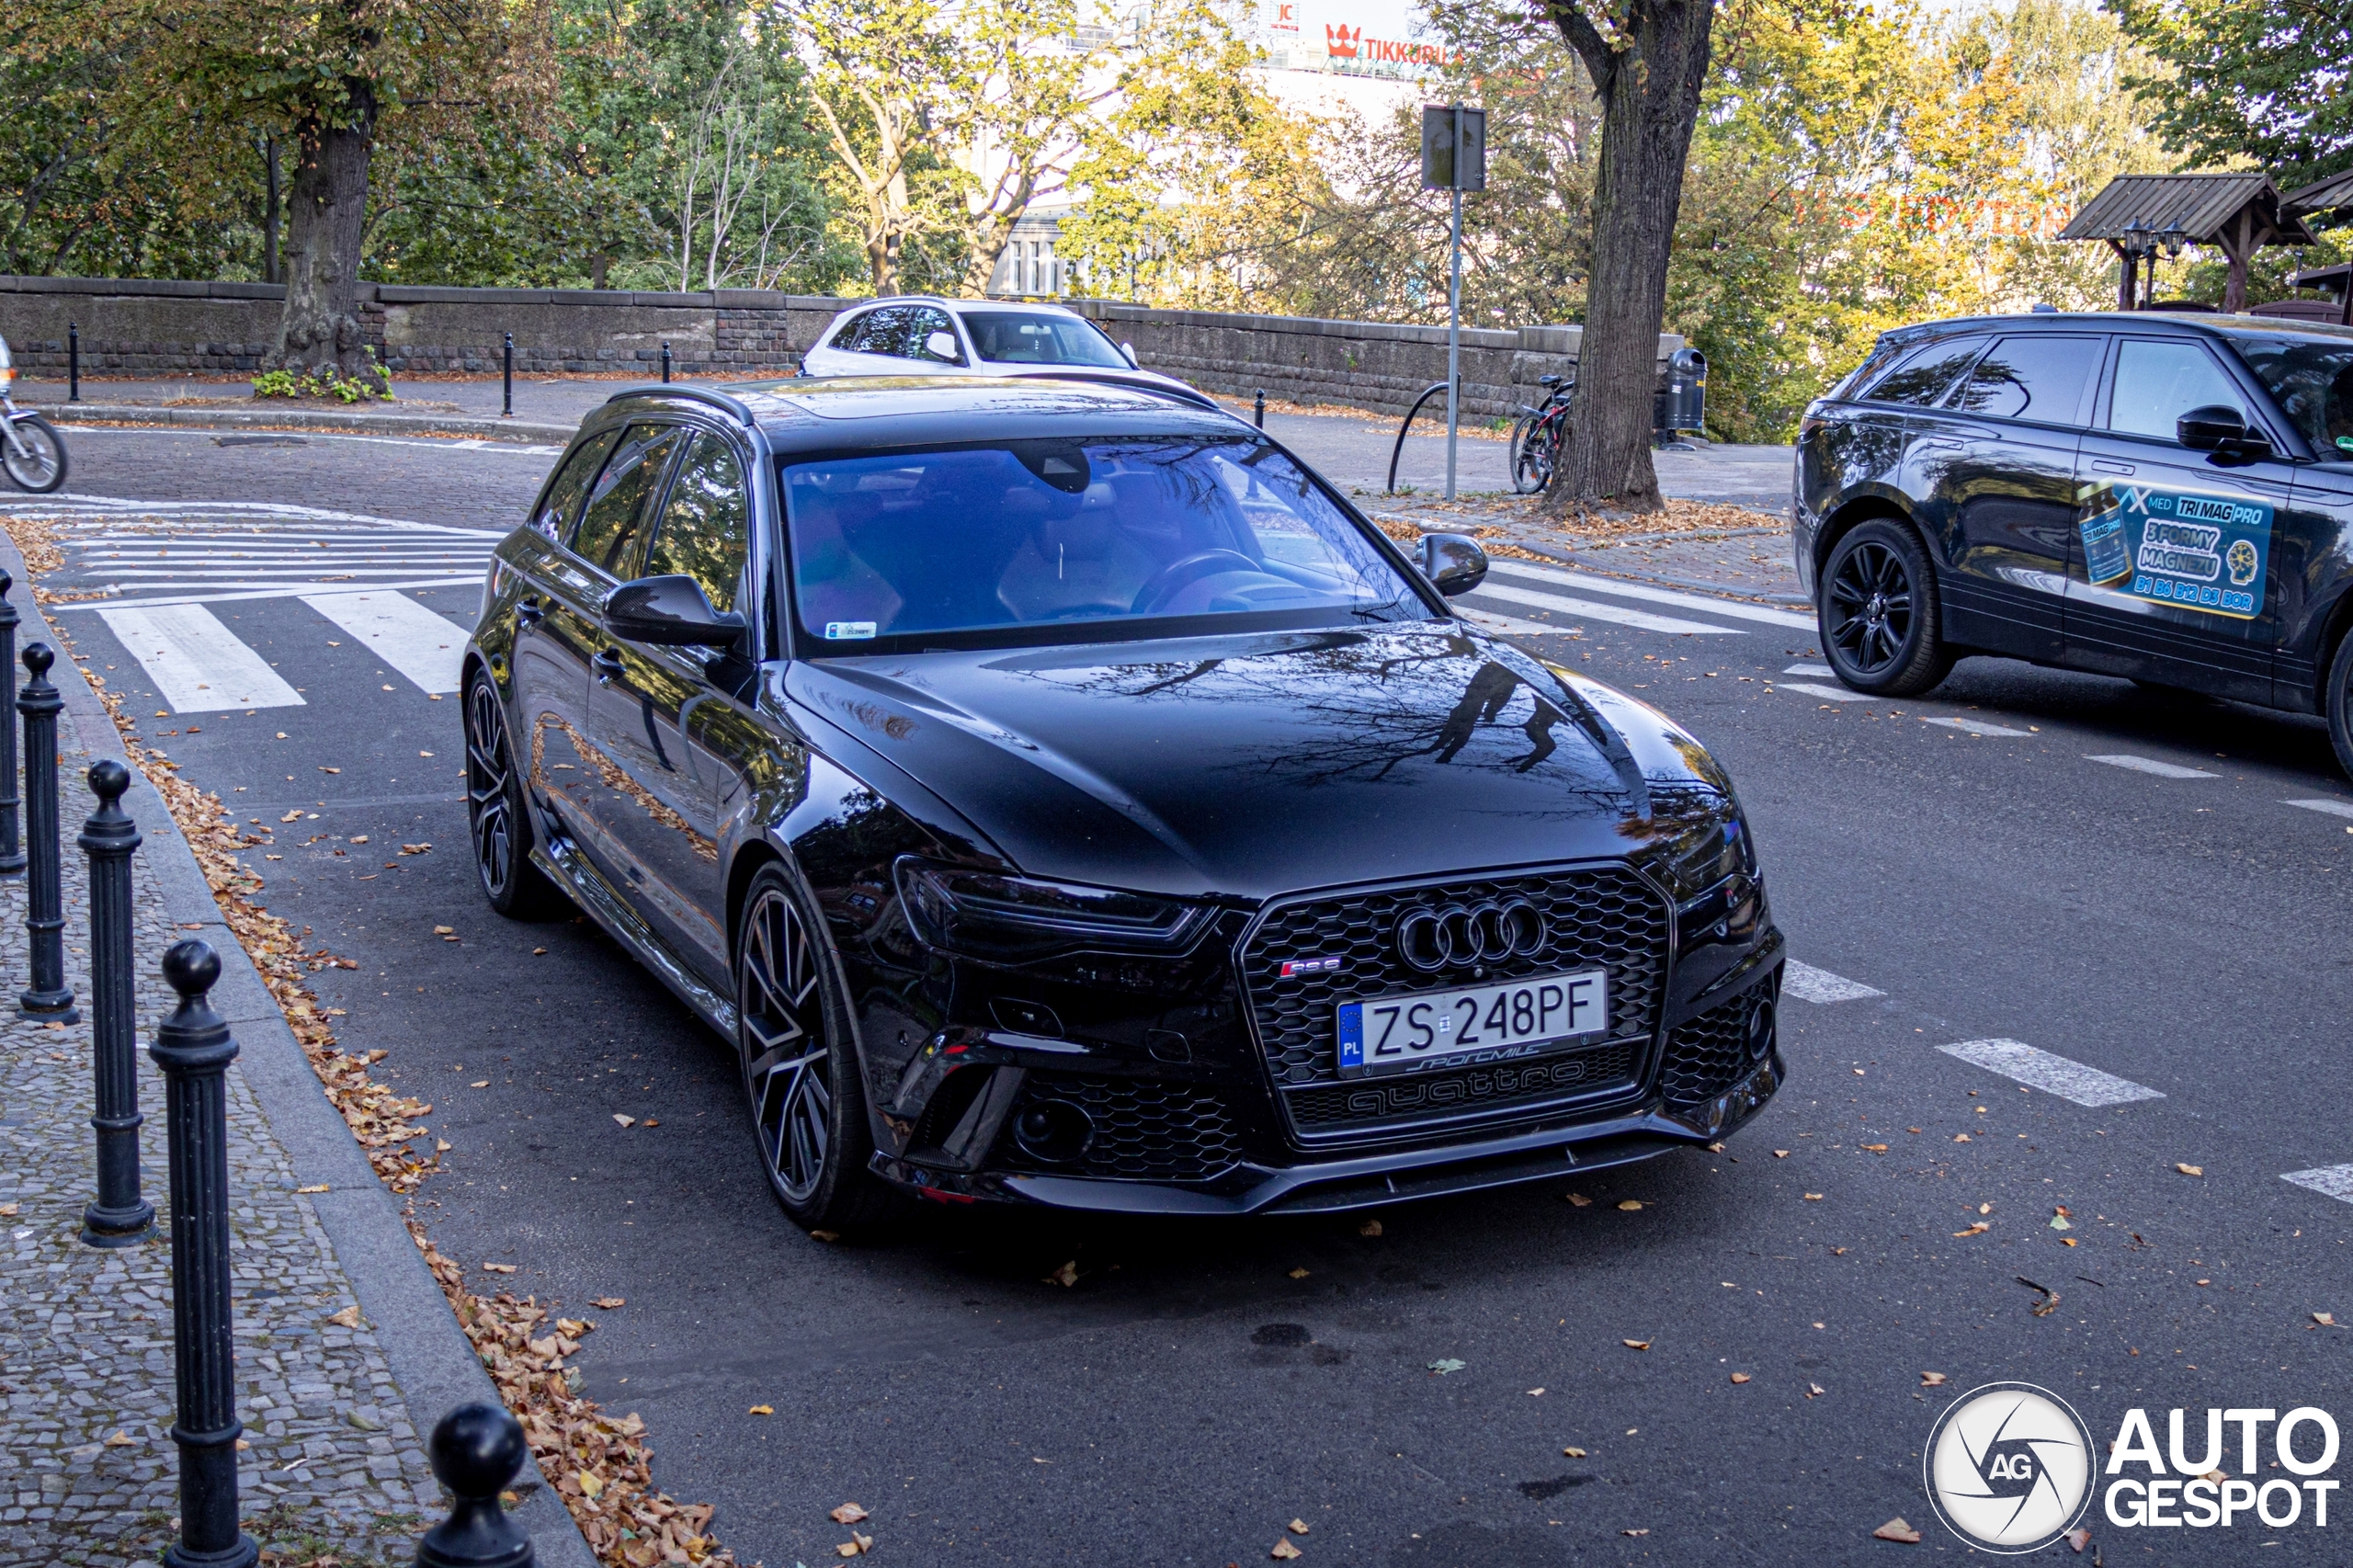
(310, 419)
(430, 1356)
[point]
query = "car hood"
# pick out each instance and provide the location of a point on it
(1251, 764)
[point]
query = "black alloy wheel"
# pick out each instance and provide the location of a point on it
(2339, 703)
(799, 1075)
(1878, 613)
(500, 826)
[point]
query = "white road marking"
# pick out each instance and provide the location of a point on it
(1594, 583)
(231, 592)
(425, 647)
(1806, 669)
(1808, 984)
(458, 443)
(1512, 623)
(1977, 727)
(2150, 765)
(2052, 1074)
(1833, 693)
(2334, 807)
(1591, 611)
(2329, 1181)
(198, 665)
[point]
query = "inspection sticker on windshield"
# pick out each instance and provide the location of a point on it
(839, 630)
(1391, 1034)
(2203, 552)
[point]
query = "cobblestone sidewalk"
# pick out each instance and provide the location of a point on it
(334, 1463)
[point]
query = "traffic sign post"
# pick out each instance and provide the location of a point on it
(1454, 159)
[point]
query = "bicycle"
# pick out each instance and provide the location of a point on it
(29, 447)
(1536, 438)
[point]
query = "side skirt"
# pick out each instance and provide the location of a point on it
(592, 892)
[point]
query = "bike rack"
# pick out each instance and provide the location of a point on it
(1428, 392)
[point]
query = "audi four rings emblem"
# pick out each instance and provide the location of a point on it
(1451, 936)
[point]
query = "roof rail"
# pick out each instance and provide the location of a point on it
(711, 395)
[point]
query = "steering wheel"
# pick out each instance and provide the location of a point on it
(1174, 577)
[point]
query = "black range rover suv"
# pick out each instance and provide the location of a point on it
(1059, 794)
(2166, 499)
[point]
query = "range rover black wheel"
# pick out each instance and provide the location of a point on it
(2339, 704)
(800, 1073)
(501, 826)
(1879, 613)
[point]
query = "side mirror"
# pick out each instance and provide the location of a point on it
(1453, 562)
(2219, 428)
(1127, 352)
(668, 612)
(941, 345)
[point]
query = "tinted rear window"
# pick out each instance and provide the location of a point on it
(1927, 373)
(2311, 380)
(2038, 377)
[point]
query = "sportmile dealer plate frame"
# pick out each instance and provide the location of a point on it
(1381, 1035)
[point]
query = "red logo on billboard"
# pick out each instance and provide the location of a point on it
(1287, 16)
(1340, 42)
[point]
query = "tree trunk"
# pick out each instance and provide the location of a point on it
(320, 330)
(989, 231)
(1650, 96)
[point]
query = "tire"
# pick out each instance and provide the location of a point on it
(42, 468)
(1533, 454)
(801, 1073)
(1878, 612)
(2339, 703)
(497, 816)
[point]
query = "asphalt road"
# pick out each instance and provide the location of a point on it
(1199, 1386)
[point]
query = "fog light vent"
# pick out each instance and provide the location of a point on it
(1760, 1030)
(1054, 1131)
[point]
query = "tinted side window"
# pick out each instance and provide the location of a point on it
(851, 340)
(609, 529)
(2042, 377)
(1928, 373)
(560, 508)
(889, 331)
(923, 322)
(705, 532)
(2156, 383)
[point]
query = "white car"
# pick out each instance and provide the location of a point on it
(912, 334)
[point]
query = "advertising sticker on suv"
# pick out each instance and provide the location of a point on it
(2200, 553)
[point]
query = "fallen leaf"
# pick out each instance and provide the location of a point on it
(1984, 1209)
(443, 930)
(330, 769)
(1911, 1129)
(1780, 1153)
(1369, 1228)
(1715, 1148)
(1298, 1274)
(1896, 1530)
(624, 1120)
(318, 1187)
(1960, 1137)
(770, 1410)
(1283, 1550)
(1573, 1453)
(348, 1317)
(2079, 1538)
(538, 952)
(592, 1485)
(2326, 1320)
(1579, 1201)
(1449, 1364)
(1635, 1344)
(1299, 1527)
(847, 1514)
(2191, 1170)
(1815, 1390)
(1066, 1275)
(2205, 1282)
(2216, 1476)
(499, 1267)
(295, 816)
(479, 1084)
(358, 838)
(1740, 1377)
(609, 1302)
(122, 1440)
(1630, 1206)
(1976, 1228)
(1814, 1198)
(649, 1121)
(1876, 1148)
(824, 1236)
(9, 1211)
(1932, 1380)
(1533, 1392)
(2049, 1302)
(1633, 1532)
(848, 1549)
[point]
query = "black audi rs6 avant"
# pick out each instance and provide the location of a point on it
(1061, 795)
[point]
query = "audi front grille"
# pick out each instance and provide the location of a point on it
(1603, 917)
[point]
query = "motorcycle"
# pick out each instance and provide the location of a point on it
(29, 447)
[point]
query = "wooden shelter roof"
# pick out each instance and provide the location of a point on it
(2205, 207)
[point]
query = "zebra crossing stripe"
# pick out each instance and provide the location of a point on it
(2329, 1181)
(1593, 583)
(2023, 1063)
(426, 648)
(198, 665)
(1808, 984)
(1590, 610)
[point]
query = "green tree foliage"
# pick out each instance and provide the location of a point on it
(2267, 83)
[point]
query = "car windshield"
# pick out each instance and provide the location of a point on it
(1039, 337)
(1083, 539)
(2311, 380)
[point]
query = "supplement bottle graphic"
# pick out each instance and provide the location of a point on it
(2106, 559)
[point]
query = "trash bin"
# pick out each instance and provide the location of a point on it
(1687, 391)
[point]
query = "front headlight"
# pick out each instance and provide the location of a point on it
(1004, 919)
(1714, 845)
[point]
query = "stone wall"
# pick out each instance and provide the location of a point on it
(142, 328)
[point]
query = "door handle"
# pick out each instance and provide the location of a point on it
(530, 611)
(2104, 466)
(607, 665)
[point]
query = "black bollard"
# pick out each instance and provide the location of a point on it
(73, 361)
(477, 1451)
(118, 1217)
(506, 376)
(1258, 410)
(48, 997)
(665, 362)
(12, 850)
(194, 1048)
